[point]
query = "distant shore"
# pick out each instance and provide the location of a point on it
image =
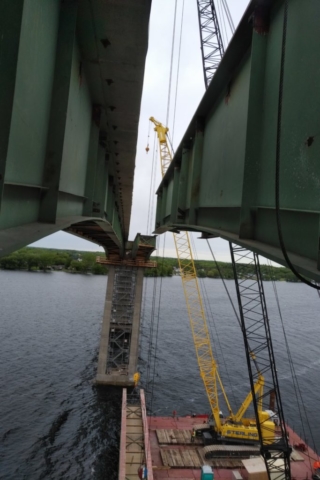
(73, 261)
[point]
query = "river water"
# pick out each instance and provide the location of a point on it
(54, 424)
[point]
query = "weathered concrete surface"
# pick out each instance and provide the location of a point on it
(104, 339)
(135, 334)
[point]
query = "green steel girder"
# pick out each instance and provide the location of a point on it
(70, 92)
(142, 246)
(222, 179)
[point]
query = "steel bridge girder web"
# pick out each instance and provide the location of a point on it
(66, 153)
(221, 180)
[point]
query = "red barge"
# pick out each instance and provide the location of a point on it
(160, 448)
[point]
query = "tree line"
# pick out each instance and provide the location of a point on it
(31, 259)
(208, 269)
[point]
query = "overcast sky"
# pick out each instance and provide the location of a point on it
(190, 90)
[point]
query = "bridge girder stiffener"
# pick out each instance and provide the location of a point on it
(222, 179)
(69, 119)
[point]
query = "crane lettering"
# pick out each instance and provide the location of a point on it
(242, 434)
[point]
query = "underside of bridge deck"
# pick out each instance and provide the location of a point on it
(222, 179)
(70, 89)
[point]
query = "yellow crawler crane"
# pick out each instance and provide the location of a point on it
(235, 426)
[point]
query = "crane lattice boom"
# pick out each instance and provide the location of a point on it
(235, 426)
(207, 364)
(210, 36)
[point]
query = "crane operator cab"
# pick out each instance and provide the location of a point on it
(273, 417)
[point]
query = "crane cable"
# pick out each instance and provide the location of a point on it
(149, 221)
(178, 71)
(223, 8)
(171, 62)
(145, 289)
(157, 325)
(151, 330)
(224, 283)
(228, 15)
(213, 326)
(278, 153)
(154, 332)
(222, 24)
(229, 296)
(154, 314)
(205, 296)
(296, 385)
(152, 183)
(152, 187)
(206, 302)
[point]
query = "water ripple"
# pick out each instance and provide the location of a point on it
(55, 424)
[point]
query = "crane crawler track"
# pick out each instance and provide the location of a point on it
(223, 451)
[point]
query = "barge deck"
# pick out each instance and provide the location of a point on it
(168, 452)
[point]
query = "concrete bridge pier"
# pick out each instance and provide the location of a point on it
(119, 344)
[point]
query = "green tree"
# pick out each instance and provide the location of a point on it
(45, 261)
(9, 263)
(201, 273)
(98, 269)
(75, 266)
(32, 261)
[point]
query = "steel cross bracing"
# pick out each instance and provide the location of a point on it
(121, 318)
(210, 36)
(260, 356)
